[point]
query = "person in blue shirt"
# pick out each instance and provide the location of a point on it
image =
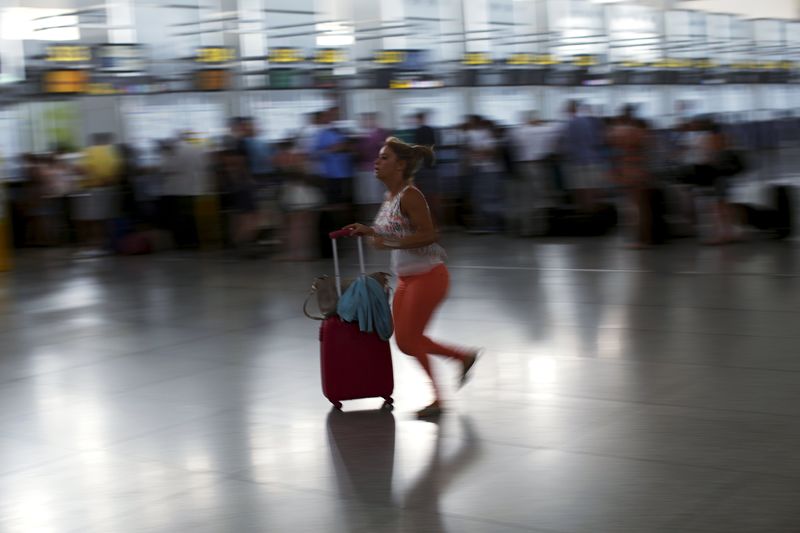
(582, 145)
(256, 151)
(334, 152)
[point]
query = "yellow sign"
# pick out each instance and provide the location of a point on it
(520, 59)
(61, 53)
(400, 84)
(286, 55)
(762, 65)
(330, 56)
(671, 62)
(584, 61)
(703, 63)
(215, 54)
(477, 58)
(633, 64)
(545, 59)
(524, 58)
(769, 65)
(101, 89)
(390, 57)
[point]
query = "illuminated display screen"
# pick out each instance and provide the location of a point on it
(215, 54)
(66, 81)
(212, 80)
(289, 78)
(401, 59)
(119, 58)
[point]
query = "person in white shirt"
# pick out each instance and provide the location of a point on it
(484, 168)
(186, 176)
(405, 227)
(533, 142)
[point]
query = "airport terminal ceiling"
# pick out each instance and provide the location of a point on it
(145, 65)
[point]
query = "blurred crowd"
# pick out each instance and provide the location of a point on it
(579, 176)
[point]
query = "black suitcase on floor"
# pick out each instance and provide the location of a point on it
(782, 198)
(570, 222)
(777, 218)
(659, 229)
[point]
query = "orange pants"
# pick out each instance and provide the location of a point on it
(415, 300)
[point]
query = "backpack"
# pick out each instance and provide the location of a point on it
(731, 163)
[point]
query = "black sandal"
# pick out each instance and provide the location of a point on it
(468, 363)
(434, 410)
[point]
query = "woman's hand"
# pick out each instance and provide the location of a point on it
(359, 229)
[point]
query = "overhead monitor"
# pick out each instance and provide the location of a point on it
(212, 79)
(121, 58)
(410, 60)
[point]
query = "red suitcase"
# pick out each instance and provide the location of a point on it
(353, 364)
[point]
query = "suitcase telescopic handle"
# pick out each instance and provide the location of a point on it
(338, 234)
(335, 235)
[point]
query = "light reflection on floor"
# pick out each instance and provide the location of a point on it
(649, 391)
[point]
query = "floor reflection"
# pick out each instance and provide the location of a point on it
(362, 445)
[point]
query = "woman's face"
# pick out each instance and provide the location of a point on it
(387, 164)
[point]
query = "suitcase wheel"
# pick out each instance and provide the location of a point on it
(388, 404)
(337, 405)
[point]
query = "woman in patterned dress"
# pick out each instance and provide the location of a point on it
(405, 227)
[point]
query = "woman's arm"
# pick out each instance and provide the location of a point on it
(415, 207)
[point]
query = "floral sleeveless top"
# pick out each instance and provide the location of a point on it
(392, 224)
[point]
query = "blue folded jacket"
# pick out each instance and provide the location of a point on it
(365, 301)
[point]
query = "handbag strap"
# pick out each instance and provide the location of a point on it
(305, 307)
(384, 282)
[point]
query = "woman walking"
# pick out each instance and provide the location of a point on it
(404, 225)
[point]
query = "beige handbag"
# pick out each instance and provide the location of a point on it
(324, 287)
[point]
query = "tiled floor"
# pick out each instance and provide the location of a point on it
(621, 391)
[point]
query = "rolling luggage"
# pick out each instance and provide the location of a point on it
(569, 222)
(353, 364)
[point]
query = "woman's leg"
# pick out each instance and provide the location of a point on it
(415, 300)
